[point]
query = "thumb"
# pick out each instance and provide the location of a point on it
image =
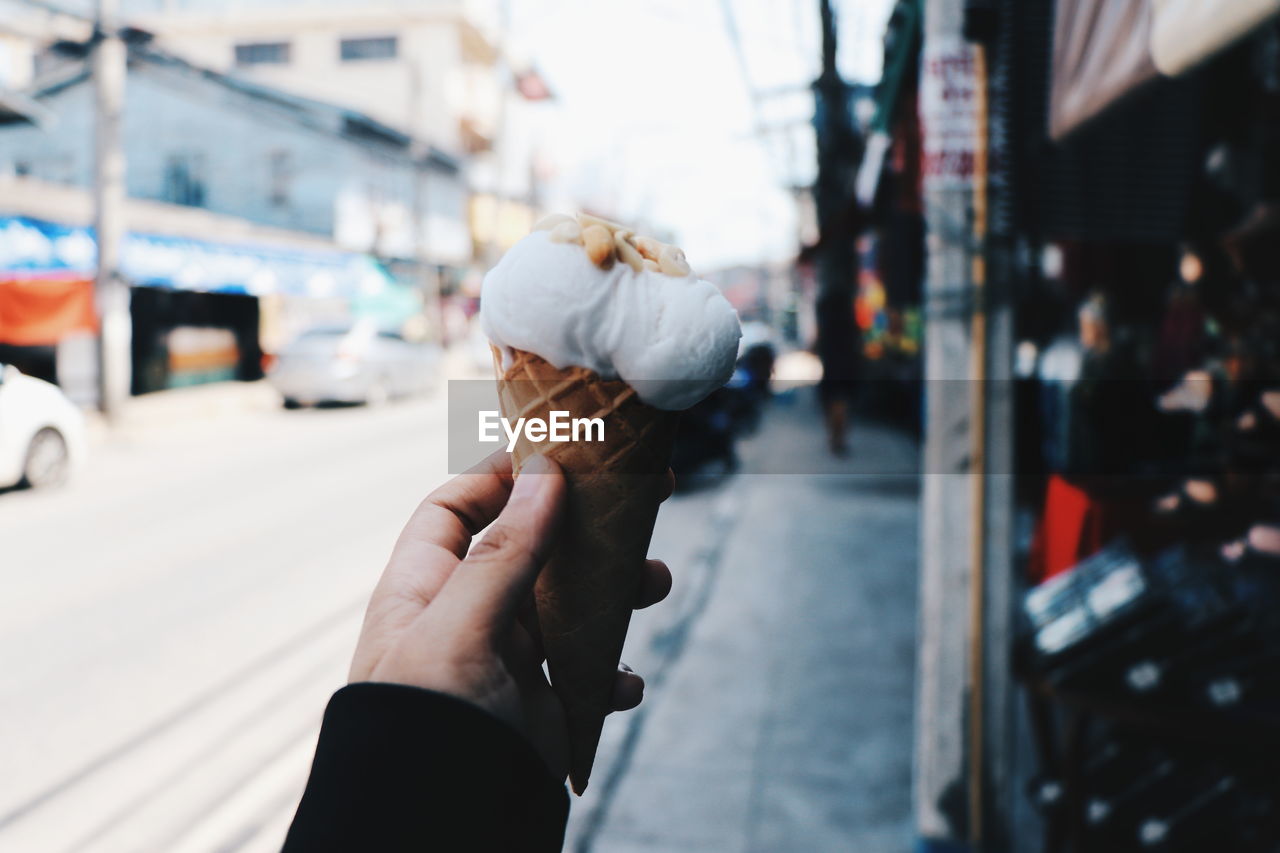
(485, 591)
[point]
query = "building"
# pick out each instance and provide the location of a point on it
(17, 61)
(421, 66)
(1102, 293)
(252, 213)
(25, 27)
(432, 69)
(210, 294)
(205, 139)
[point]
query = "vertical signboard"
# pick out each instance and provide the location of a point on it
(948, 98)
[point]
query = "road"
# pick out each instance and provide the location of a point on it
(176, 618)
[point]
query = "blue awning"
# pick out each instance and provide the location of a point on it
(32, 247)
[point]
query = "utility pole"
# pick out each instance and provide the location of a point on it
(942, 796)
(420, 170)
(493, 249)
(839, 150)
(964, 691)
(111, 293)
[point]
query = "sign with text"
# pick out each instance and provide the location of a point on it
(948, 113)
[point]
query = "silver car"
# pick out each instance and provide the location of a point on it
(353, 364)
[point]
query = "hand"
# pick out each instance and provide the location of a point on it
(465, 624)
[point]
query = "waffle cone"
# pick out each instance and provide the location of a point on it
(587, 591)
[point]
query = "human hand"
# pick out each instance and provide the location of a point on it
(464, 623)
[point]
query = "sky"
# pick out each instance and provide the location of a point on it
(655, 122)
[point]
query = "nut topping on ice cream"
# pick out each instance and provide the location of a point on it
(588, 293)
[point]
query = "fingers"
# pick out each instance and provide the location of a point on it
(528, 619)
(486, 590)
(668, 484)
(655, 585)
(462, 507)
(628, 689)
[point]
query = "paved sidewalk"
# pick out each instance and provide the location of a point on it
(779, 709)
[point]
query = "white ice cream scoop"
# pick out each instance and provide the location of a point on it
(673, 339)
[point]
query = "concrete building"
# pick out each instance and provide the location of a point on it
(195, 277)
(435, 69)
(294, 194)
(24, 27)
(206, 139)
(17, 60)
(421, 66)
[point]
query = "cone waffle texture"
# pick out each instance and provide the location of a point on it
(586, 593)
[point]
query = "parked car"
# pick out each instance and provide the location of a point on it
(42, 433)
(358, 363)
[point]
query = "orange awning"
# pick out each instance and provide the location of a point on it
(40, 311)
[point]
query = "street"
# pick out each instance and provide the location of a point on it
(177, 617)
(967, 314)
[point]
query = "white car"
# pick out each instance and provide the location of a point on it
(42, 433)
(353, 364)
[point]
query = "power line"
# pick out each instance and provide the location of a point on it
(735, 41)
(782, 173)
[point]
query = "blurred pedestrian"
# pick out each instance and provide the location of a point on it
(838, 350)
(449, 736)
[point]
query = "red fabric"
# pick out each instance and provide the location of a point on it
(1073, 527)
(38, 312)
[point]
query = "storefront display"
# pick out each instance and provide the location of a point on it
(1150, 645)
(195, 304)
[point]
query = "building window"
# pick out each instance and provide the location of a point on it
(263, 53)
(280, 164)
(357, 50)
(184, 179)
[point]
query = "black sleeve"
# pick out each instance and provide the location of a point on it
(401, 768)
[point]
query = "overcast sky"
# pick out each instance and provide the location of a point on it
(654, 118)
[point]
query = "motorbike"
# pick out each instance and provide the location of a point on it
(709, 431)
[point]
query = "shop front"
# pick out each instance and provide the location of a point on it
(201, 311)
(1147, 433)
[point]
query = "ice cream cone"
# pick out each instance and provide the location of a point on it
(586, 593)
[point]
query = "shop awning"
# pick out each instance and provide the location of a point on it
(35, 248)
(1105, 49)
(1101, 51)
(41, 311)
(1186, 32)
(901, 53)
(901, 57)
(46, 273)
